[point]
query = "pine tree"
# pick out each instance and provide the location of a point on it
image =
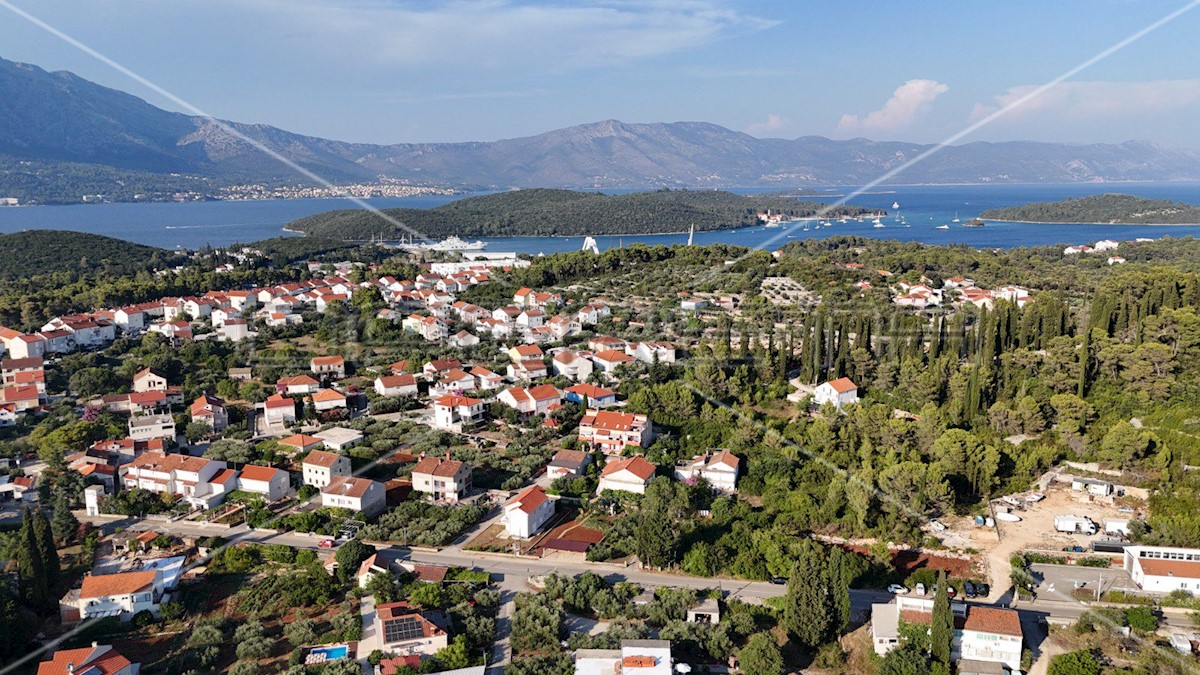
(941, 629)
(64, 524)
(44, 537)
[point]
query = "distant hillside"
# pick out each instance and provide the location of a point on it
(545, 212)
(34, 252)
(62, 136)
(1114, 209)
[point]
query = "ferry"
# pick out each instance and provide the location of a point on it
(452, 244)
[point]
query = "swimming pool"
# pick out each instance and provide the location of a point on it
(330, 653)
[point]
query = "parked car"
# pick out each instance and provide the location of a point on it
(779, 581)
(325, 543)
(950, 592)
(982, 590)
(897, 589)
(1074, 549)
(969, 589)
(920, 589)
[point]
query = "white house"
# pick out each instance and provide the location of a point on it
(396, 385)
(95, 660)
(122, 595)
(611, 431)
(1162, 569)
(268, 481)
(279, 410)
(567, 463)
(210, 410)
(148, 427)
(321, 467)
(339, 439)
(538, 400)
(527, 512)
(404, 631)
(720, 469)
(357, 494)
(648, 352)
(987, 634)
(200, 481)
(328, 399)
(590, 396)
(148, 379)
(630, 474)
(457, 412)
(572, 365)
(442, 479)
(839, 392)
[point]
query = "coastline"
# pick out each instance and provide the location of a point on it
(1078, 222)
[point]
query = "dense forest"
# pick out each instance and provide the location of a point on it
(1110, 208)
(34, 252)
(546, 212)
(50, 182)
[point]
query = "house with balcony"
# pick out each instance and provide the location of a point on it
(612, 432)
(527, 512)
(443, 479)
(455, 413)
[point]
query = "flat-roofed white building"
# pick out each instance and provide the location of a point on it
(1162, 569)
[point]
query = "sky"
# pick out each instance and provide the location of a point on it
(390, 71)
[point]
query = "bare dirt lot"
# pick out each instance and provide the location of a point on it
(1034, 531)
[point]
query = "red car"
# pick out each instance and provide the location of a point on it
(326, 543)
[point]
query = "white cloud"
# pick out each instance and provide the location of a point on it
(503, 33)
(911, 101)
(771, 124)
(1082, 102)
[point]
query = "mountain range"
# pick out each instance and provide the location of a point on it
(56, 127)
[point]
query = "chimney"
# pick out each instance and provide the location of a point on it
(447, 454)
(70, 668)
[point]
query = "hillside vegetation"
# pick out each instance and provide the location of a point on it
(38, 252)
(546, 212)
(1113, 209)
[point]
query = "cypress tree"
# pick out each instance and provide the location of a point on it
(44, 537)
(29, 566)
(941, 629)
(1085, 362)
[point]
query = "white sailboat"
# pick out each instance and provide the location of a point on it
(942, 227)
(955, 217)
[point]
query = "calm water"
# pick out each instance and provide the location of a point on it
(192, 225)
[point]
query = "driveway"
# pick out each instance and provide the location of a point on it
(370, 640)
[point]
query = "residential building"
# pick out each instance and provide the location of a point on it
(526, 513)
(572, 365)
(539, 400)
(629, 474)
(149, 379)
(456, 413)
(442, 479)
(635, 657)
(402, 630)
(20, 398)
(568, 463)
(485, 379)
(95, 660)
(201, 482)
(297, 385)
(339, 439)
(524, 353)
(319, 467)
(396, 385)
(147, 427)
(981, 634)
(532, 369)
(609, 360)
(590, 396)
(271, 483)
(649, 352)
(611, 432)
(328, 366)
(120, 595)
(298, 444)
(840, 392)
(357, 494)
(325, 400)
(1162, 569)
(210, 410)
(719, 469)
(279, 410)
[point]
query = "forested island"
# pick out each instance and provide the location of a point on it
(35, 252)
(548, 212)
(1110, 209)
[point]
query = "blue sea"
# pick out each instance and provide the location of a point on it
(195, 224)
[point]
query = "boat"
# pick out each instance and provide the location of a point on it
(878, 224)
(1008, 517)
(942, 227)
(895, 205)
(955, 217)
(452, 244)
(877, 221)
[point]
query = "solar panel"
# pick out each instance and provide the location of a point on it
(404, 628)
